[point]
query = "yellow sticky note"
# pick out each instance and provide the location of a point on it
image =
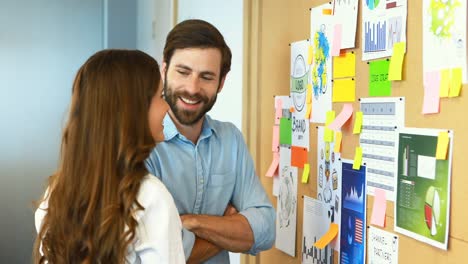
(357, 123)
(327, 11)
(337, 147)
(357, 158)
(344, 90)
(328, 134)
(305, 173)
(396, 62)
(444, 83)
(308, 110)
(455, 82)
(309, 94)
(344, 65)
(442, 145)
(328, 237)
(310, 56)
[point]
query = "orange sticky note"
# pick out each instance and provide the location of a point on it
(455, 82)
(444, 83)
(274, 165)
(442, 145)
(357, 123)
(305, 173)
(275, 139)
(327, 11)
(357, 158)
(328, 237)
(337, 147)
(328, 134)
(291, 109)
(298, 156)
(396, 62)
(310, 55)
(380, 207)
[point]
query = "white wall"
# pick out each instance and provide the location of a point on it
(227, 16)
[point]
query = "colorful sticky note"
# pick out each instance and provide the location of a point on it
(308, 110)
(309, 94)
(285, 131)
(431, 101)
(357, 123)
(344, 65)
(442, 145)
(338, 138)
(444, 83)
(298, 156)
(380, 207)
(396, 62)
(357, 158)
(336, 45)
(275, 139)
(305, 173)
(455, 82)
(379, 85)
(327, 11)
(328, 134)
(345, 114)
(274, 165)
(344, 90)
(328, 237)
(310, 55)
(279, 110)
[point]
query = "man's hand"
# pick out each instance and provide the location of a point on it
(230, 210)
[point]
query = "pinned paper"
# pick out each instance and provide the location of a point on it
(328, 237)
(328, 135)
(298, 156)
(274, 165)
(431, 92)
(305, 173)
(396, 62)
(275, 140)
(336, 46)
(357, 158)
(285, 131)
(379, 85)
(455, 82)
(310, 55)
(357, 123)
(344, 115)
(309, 94)
(279, 110)
(442, 145)
(339, 136)
(344, 65)
(380, 207)
(444, 83)
(344, 90)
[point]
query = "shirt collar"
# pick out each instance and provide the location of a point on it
(170, 129)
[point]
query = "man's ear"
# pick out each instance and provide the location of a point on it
(163, 69)
(221, 83)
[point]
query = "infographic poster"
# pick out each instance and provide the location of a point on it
(423, 188)
(353, 214)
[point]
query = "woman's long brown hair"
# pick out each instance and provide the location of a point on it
(92, 196)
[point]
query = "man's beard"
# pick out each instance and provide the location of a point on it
(185, 117)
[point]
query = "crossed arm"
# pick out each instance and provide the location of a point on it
(230, 232)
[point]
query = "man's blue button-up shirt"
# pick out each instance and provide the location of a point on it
(206, 177)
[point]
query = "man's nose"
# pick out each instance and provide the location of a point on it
(193, 85)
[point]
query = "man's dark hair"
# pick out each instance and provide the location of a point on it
(196, 33)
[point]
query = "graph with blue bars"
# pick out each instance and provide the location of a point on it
(375, 36)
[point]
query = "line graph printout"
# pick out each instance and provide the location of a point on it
(381, 119)
(383, 25)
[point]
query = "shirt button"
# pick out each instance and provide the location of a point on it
(201, 180)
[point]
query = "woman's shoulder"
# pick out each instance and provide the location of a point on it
(152, 190)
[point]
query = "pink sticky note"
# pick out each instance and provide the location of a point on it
(431, 92)
(274, 165)
(336, 46)
(279, 110)
(344, 115)
(275, 140)
(379, 208)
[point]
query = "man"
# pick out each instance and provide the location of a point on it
(203, 162)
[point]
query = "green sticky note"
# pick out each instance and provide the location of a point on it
(285, 131)
(379, 85)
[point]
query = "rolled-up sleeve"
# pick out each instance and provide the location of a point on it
(188, 240)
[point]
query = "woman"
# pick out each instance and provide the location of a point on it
(102, 206)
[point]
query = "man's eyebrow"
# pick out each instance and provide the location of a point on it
(185, 67)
